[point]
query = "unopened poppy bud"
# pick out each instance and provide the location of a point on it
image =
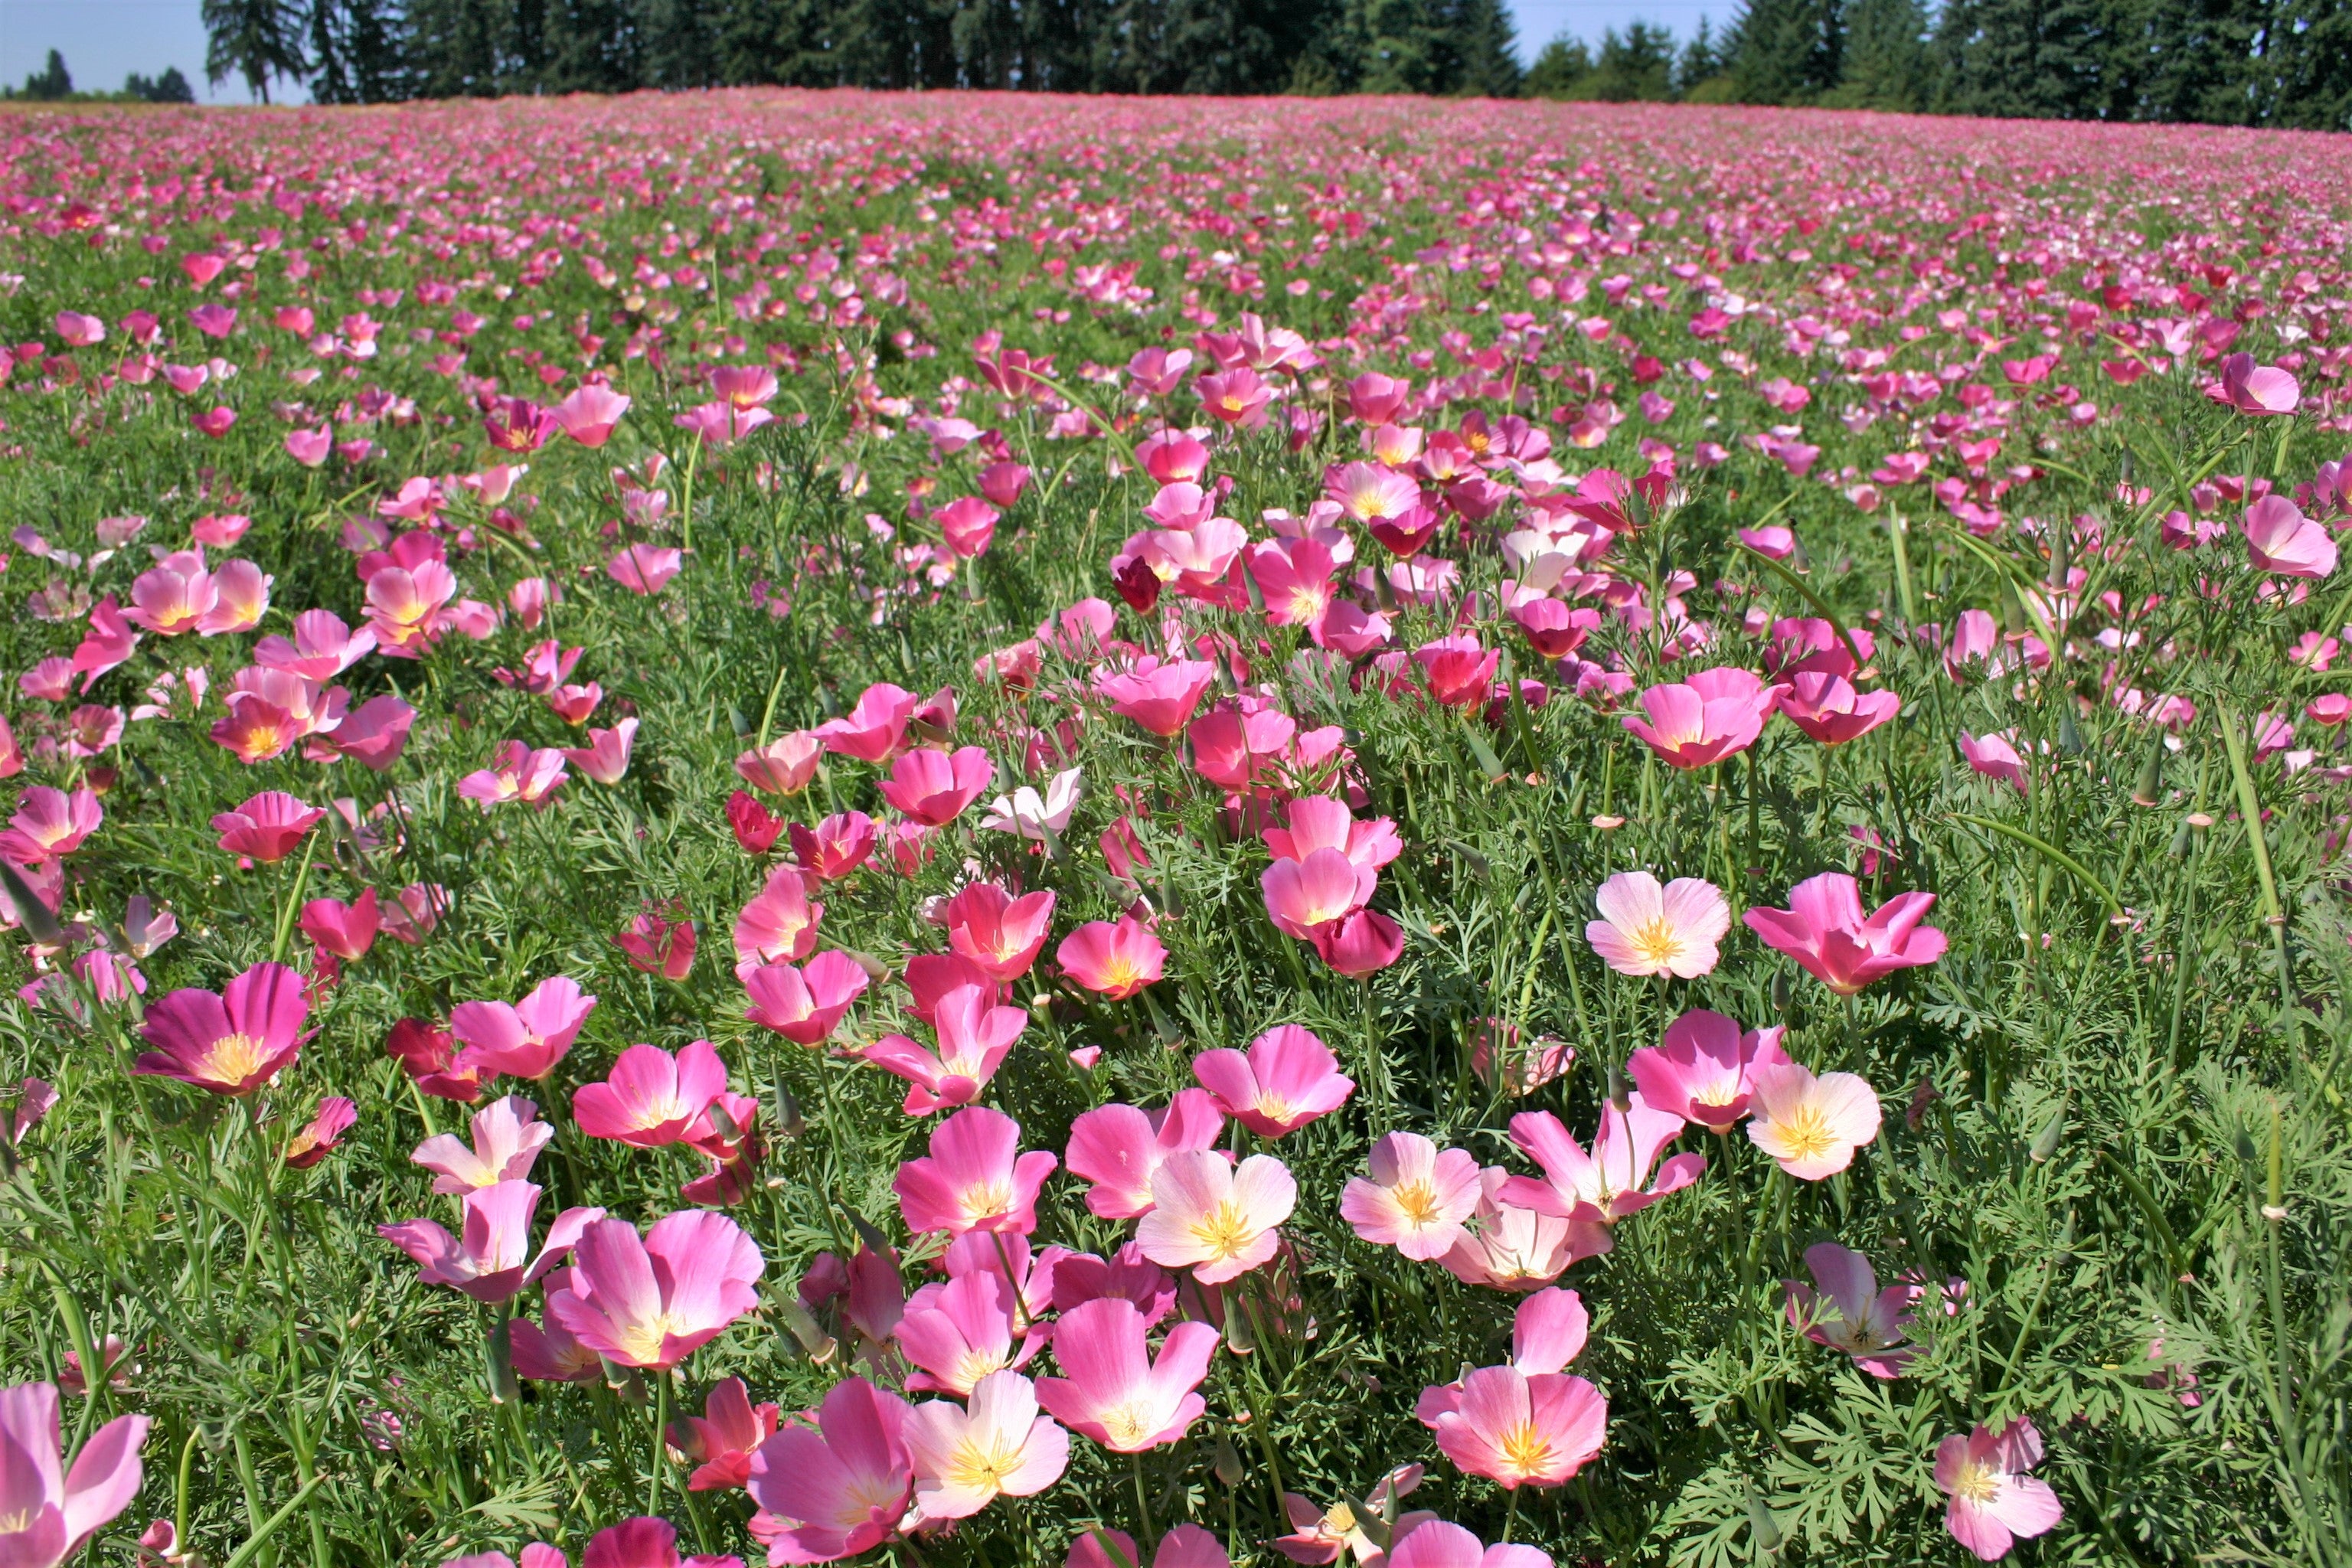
(1763, 1526)
(1618, 1094)
(1240, 1338)
(2045, 1142)
(2070, 736)
(1798, 558)
(2150, 788)
(2179, 846)
(1229, 1462)
(815, 1342)
(1783, 992)
(740, 719)
(498, 1352)
(626, 1382)
(875, 970)
(789, 1120)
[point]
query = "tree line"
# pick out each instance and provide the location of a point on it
(2233, 62)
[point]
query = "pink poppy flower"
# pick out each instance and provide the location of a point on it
(1703, 1071)
(974, 1035)
(54, 1509)
(720, 1441)
(605, 758)
(652, 1302)
(1521, 1430)
(1717, 713)
(1511, 1248)
(1994, 1502)
(640, 1543)
(1850, 1314)
(968, 524)
(507, 1139)
(1417, 1199)
(317, 1140)
(1358, 944)
(1289, 1079)
(931, 786)
(875, 728)
(834, 846)
(322, 646)
(310, 448)
(805, 1004)
(345, 930)
(1319, 822)
(526, 1038)
(1812, 1125)
(1304, 896)
(1437, 1544)
(841, 1488)
(1112, 1390)
(231, 1044)
(1213, 1217)
(2282, 541)
(779, 924)
(1237, 397)
(1823, 930)
(515, 772)
(268, 826)
(962, 1332)
(1159, 695)
(1606, 1185)
(784, 765)
(2256, 389)
(1119, 1147)
(491, 1259)
(49, 823)
(1553, 630)
(1000, 934)
(644, 568)
(995, 1445)
(657, 945)
(1231, 748)
(1827, 707)
(651, 1097)
(372, 735)
(590, 413)
(1647, 930)
(1995, 758)
(974, 1178)
(1459, 672)
(1115, 961)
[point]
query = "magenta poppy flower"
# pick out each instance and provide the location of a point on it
(974, 1178)
(50, 824)
(932, 786)
(1459, 672)
(516, 773)
(644, 568)
(974, 1035)
(507, 1137)
(231, 1044)
(968, 524)
(490, 1260)
(997, 931)
(780, 923)
(1827, 708)
(590, 413)
(834, 846)
(1115, 961)
(1702, 1070)
(2257, 389)
(1287, 1079)
(1995, 758)
(720, 1441)
(268, 826)
(840, 1489)
(525, 1038)
(873, 729)
(1113, 1390)
(1824, 930)
(1994, 1501)
(1321, 821)
(1358, 944)
(318, 1138)
(805, 1004)
(654, 1301)
(958, 1333)
(1119, 1147)
(54, 1509)
(658, 945)
(1717, 713)
(345, 930)
(2282, 541)
(1159, 694)
(651, 1097)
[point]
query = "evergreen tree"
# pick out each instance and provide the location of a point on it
(1787, 51)
(678, 48)
(1485, 49)
(51, 82)
(259, 40)
(1559, 69)
(1701, 61)
(171, 86)
(452, 47)
(1887, 62)
(587, 46)
(1634, 67)
(355, 54)
(2030, 59)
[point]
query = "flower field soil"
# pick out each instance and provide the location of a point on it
(977, 830)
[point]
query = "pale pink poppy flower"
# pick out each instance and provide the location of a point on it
(267, 827)
(80, 331)
(784, 765)
(1319, 822)
(839, 1490)
(1521, 1430)
(1702, 1070)
(1114, 960)
(995, 1445)
(310, 448)
(1812, 1125)
(780, 923)
(1648, 929)
(526, 1038)
(644, 568)
(1213, 1217)
(1186, 1546)
(1716, 713)
(1994, 1502)
(874, 728)
(1159, 694)
(322, 646)
(1823, 930)
(1417, 1198)
(2282, 541)
(605, 758)
(974, 1036)
(1112, 1390)
(172, 597)
(1827, 708)
(491, 1259)
(652, 1302)
(999, 933)
(54, 1509)
(590, 413)
(507, 1137)
(1509, 1247)
(720, 1441)
(2256, 389)
(1849, 1313)
(959, 1332)
(1118, 1148)
(516, 773)
(1288, 1078)
(50, 824)
(346, 931)
(240, 598)
(974, 1178)
(1606, 1185)
(1304, 896)
(1324, 1536)
(1034, 816)
(1437, 1544)
(1995, 758)
(932, 786)
(651, 1097)
(229, 1044)
(805, 1004)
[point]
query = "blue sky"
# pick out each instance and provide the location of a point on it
(104, 40)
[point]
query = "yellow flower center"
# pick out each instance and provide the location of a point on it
(1806, 1135)
(233, 1058)
(642, 1340)
(1526, 1450)
(1977, 1483)
(974, 1366)
(16, 1524)
(1225, 1233)
(1418, 1203)
(985, 1200)
(1656, 940)
(1127, 1425)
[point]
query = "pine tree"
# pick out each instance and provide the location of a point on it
(678, 48)
(2030, 59)
(1700, 63)
(1786, 51)
(1887, 62)
(1485, 49)
(587, 46)
(52, 82)
(1633, 67)
(259, 40)
(452, 47)
(1561, 69)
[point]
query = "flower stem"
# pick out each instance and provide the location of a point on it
(655, 1461)
(1142, 1504)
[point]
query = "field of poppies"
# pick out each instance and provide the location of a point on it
(977, 830)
